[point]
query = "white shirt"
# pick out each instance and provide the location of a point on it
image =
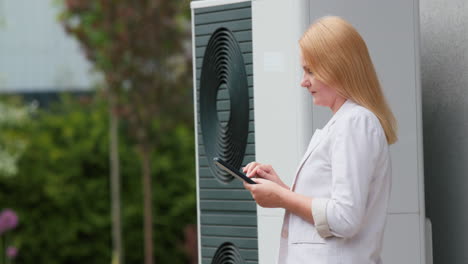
(346, 170)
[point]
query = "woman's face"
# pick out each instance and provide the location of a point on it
(322, 94)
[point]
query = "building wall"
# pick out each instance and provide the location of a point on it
(36, 54)
(444, 73)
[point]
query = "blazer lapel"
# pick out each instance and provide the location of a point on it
(314, 142)
(320, 134)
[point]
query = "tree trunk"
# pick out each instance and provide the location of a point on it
(115, 183)
(147, 197)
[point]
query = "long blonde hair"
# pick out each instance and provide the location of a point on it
(338, 56)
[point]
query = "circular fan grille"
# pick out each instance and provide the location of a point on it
(224, 102)
(227, 253)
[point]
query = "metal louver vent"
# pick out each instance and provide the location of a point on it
(224, 102)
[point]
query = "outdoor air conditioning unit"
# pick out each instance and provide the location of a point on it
(249, 106)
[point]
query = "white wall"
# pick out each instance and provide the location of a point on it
(393, 46)
(36, 54)
(284, 120)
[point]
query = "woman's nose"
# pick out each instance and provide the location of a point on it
(304, 82)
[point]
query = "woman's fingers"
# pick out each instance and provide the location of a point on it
(251, 171)
(249, 186)
(254, 171)
(266, 168)
(260, 181)
(260, 172)
(247, 167)
(250, 168)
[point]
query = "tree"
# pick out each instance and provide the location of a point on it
(140, 47)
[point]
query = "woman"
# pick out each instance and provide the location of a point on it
(336, 207)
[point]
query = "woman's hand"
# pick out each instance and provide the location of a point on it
(266, 193)
(255, 169)
(270, 195)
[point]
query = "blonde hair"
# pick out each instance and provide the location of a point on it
(338, 56)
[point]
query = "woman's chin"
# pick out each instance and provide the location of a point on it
(317, 102)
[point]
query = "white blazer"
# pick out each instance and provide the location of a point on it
(347, 171)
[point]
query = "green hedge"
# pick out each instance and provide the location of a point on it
(61, 190)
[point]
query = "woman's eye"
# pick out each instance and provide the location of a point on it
(306, 70)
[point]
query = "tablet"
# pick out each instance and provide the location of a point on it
(231, 170)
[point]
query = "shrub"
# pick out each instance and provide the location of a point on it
(61, 190)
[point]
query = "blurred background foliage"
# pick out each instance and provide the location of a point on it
(142, 48)
(13, 116)
(61, 188)
(56, 161)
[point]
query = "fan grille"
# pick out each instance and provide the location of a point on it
(227, 253)
(224, 102)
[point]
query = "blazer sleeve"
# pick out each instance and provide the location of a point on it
(355, 153)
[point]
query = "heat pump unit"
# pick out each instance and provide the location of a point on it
(249, 106)
(223, 93)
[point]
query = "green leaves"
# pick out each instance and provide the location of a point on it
(13, 142)
(61, 189)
